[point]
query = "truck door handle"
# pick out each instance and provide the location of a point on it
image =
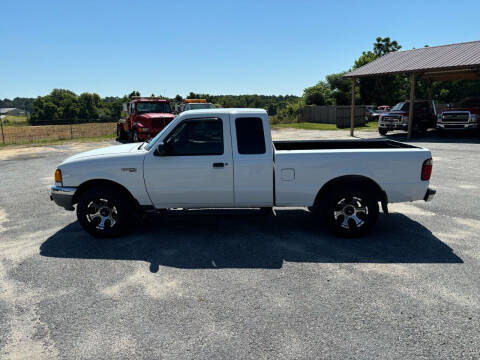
(218, 164)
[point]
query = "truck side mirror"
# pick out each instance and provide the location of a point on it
(161, 150)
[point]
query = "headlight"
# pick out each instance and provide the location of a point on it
(473, 118)
(404, 119)
(58, 177)
(145, 129)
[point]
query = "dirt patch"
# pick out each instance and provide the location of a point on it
(153, 285)
(26, 152)
(3, 220)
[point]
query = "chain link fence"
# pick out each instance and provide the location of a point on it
(42, 131)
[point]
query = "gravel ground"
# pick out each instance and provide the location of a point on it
(222, 284)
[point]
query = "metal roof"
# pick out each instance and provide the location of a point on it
(435, 58)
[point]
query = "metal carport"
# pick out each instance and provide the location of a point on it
(436, 63)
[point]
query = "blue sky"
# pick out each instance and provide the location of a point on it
(217, 47)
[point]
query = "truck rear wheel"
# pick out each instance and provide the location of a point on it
(350, 212)
(103, 212)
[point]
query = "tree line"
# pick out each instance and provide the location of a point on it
(64, 106)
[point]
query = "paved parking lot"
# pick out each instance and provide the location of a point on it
(222, 284)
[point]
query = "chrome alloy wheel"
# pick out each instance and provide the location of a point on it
(351, 212)
(102, 214)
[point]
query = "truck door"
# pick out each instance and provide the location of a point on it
(253, 159)
(197, 170)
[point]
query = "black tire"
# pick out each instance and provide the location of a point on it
(101, 203)
(382, 131)
(120, 134)
(347, 200)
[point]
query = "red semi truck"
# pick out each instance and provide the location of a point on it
(146, 117)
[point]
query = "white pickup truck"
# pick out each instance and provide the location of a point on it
(225, 158)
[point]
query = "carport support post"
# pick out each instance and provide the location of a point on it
(352, 110)
(412, 102)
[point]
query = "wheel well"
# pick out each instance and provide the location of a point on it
(357, 180)
(102, 182)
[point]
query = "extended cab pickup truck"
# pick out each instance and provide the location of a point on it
(224, 158)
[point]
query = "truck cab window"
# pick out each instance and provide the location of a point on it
(196, 137)
(250, 136)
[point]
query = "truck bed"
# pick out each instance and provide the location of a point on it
(339, 144)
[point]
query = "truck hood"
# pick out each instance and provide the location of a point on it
(471, 110)
(105, 151)
(157, 116)
(399, 112)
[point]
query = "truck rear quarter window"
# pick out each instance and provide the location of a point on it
(250, 135)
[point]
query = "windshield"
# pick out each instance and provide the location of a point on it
(153, 107)
(201, 106)
(155, 139)
(401, 106)
(470, 103)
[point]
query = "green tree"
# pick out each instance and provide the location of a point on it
(385, 46)
(380, 90)
(318, 94)
(340, 88)
(133, 93)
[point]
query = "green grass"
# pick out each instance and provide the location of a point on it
(10, 120)
(370, 126)
(58, 142)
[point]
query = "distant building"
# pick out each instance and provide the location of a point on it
(12, 111)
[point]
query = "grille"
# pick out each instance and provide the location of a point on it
(158, 123)
(463, 117)
(391, 118)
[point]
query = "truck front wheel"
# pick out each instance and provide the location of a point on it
(103, 211)
(349, 212)
(382, 131)
(120, 133)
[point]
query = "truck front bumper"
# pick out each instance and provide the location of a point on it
(393, 126)
(463, 126)
(63, 196)
(430, 194)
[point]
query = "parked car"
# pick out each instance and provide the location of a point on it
(424, 117)
(146, 117)
(464, 116)
(225, 158)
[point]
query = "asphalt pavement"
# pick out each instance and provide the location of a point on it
(228, 284)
